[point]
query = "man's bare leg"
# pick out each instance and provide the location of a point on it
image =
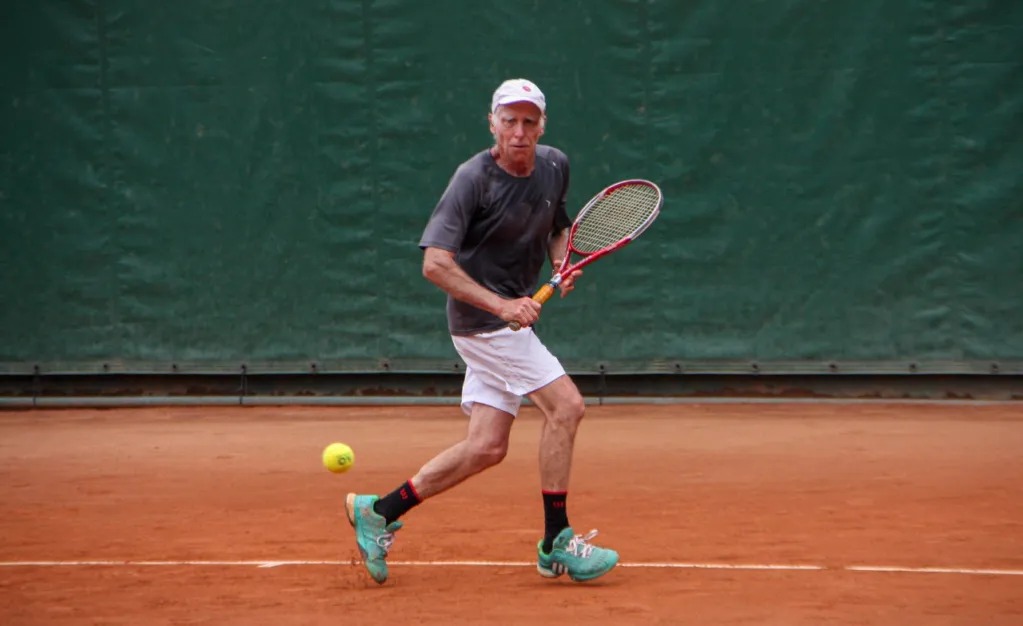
(562, 551)
(485, 445)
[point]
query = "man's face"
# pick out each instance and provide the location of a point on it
(516, 128)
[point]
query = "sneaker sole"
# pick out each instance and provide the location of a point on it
(547, 573)
(552, 573)
(594, 577)
(350, 508)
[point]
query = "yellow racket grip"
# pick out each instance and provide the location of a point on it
(543, 294)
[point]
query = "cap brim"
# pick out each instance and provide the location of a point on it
(504, 101)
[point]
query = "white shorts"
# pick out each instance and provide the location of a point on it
(502, 366)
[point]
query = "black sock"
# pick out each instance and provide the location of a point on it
(398, 502)
(555, 517)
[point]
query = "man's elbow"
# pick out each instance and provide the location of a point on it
(433, 267)
(429, 269)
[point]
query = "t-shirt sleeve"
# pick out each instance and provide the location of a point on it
(453, 213)
(561, 218)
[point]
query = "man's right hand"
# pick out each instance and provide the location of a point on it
(524, 311)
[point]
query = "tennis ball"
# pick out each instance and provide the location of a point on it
(338, 458)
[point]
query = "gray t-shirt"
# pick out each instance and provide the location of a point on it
(499, 226)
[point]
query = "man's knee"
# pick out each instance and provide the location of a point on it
(570, 410)
(488, 453)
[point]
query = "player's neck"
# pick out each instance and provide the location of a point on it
(520, 167)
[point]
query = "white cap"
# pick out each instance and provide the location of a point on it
(518, 90)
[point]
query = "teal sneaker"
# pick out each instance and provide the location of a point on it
(574, 555)
(372, 534)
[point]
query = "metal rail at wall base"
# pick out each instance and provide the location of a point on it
(245, 388)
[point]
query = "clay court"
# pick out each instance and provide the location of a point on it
(724, 513)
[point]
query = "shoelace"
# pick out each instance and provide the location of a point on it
(384, 541)
(579, 545)
(386, 538)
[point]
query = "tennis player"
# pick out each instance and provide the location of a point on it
(502, 214)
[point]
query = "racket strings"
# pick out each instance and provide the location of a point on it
(618, 215)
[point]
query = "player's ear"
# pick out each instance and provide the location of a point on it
(490, 121)
(543, 123)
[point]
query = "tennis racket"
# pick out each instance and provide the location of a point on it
(608, 222)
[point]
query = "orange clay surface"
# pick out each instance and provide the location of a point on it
(207, 495)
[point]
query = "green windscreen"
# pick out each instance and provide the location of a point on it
(206, 185)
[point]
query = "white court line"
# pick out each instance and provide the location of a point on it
(739, 566)
(934, 570)
(641, 565)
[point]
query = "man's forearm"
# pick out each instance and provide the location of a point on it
(557, 249)
(441, 269)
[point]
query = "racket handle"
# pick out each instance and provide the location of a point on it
(543, 294)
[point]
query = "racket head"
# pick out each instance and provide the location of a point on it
(615, 216)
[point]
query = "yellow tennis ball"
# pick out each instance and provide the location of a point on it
(338, 458)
